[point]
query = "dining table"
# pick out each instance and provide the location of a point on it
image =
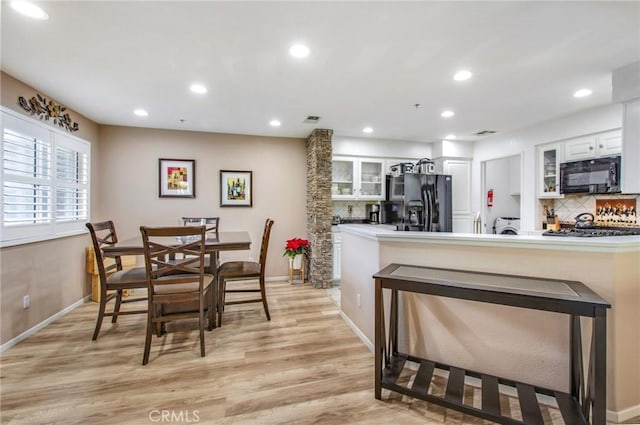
(215, 242)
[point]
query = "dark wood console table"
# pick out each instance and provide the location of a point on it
(586, 401)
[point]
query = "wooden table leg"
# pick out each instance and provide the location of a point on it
(213, 270)
(393, 323)
(575, 359)
(598, 377)
(378, 339)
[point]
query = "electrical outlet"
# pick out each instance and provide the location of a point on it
(358, 300)
(26, 302)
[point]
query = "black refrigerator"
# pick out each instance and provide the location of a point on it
(419, 202)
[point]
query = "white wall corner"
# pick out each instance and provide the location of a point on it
(626, 83)
(357, 331)
(452, 149)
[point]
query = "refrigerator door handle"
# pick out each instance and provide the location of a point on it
(428, 217)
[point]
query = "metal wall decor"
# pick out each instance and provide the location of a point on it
(38, 105)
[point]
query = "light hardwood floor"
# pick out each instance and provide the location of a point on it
(306, 366)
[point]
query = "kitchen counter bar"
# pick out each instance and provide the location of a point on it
(471, 335)
(533, 240)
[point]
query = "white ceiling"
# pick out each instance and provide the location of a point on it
(370, 63)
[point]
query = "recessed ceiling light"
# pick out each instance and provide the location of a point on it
(462, 75)
(275, 123)
(29, 9)
(450, 137)
(367, 130)
(141, 112)
(582, 93)
(447, 114)
(299, 51)
(198, 88)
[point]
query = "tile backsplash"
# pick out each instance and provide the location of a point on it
(358, 209)
(570, 206)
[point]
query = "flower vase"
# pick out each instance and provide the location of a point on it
(296, 266)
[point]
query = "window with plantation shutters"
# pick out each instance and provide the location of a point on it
(71, 185)
(45, 181)
(27, 178)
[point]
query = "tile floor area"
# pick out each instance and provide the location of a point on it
(334, 293)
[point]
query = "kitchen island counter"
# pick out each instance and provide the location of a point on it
(526, 346)
(531, 240)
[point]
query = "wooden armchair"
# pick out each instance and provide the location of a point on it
(112, 276)
(244, 270)
(177, 284)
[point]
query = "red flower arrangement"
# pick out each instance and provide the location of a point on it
(296, 246)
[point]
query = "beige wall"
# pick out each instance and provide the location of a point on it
(51, 272)
(128, 184)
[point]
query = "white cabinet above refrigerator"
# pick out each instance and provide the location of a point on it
(357, 178)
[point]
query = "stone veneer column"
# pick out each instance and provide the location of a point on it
(319, 207)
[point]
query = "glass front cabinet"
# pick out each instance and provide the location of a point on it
(549, 158)
(357, 178)
(343, 178)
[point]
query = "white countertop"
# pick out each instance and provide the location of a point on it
(531, 240)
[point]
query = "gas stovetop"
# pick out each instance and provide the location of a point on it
(594, 232)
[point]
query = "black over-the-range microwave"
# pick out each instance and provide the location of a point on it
(600, 175)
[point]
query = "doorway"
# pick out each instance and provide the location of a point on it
(501, 186)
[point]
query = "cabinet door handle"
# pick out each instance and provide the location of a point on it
(601, 146)
(590, 148)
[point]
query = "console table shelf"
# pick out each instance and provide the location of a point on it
(453, 396)
(585, 404)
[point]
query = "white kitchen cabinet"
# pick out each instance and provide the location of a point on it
(580, 148)
(337, 252)
(357, 178)
(461, 224)
(549, 158)
(609, 143)
(460, 171)
(593, 146)
(343, 178)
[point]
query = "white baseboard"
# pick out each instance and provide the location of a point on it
(357, 331)
(24, 335)
(276, 278)
(624, 415)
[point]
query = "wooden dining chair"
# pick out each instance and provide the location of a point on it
(244, 270)
(213, 226)
(177, 284)
(212, 223)
(113, 278)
